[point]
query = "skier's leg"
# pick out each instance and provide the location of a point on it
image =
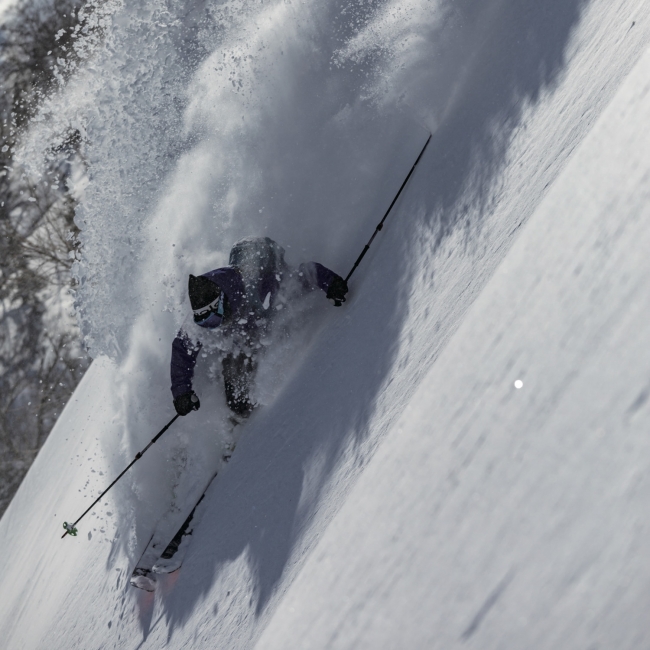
(238, 375)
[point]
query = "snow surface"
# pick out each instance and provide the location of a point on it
(396, 489)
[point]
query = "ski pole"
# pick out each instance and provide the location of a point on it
(337, 303)
(70, 528)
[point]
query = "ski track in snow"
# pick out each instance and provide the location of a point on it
(207, 122)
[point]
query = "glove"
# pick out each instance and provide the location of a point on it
(337, 290)
(186, 403)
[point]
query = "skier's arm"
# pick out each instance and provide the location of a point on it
(316, 276)
(184, 354)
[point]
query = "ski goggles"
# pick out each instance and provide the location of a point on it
(211, 315)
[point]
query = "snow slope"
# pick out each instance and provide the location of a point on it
(395, 489)
(499, 514)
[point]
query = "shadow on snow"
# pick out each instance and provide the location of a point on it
(260, 506)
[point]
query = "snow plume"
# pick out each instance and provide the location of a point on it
(201, 125)
(204, 123)
(198, 127)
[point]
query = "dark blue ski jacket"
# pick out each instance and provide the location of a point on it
(249, 311)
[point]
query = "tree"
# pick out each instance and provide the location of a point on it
(41, 359)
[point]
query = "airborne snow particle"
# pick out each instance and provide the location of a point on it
(519, 384)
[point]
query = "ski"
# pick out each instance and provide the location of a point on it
(165, 552)
(165, 556)
(172, 557)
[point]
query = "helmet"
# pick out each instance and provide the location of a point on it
(207, 300)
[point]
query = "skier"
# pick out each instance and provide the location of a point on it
(241, 301)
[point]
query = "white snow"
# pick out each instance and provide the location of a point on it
(458, 456)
